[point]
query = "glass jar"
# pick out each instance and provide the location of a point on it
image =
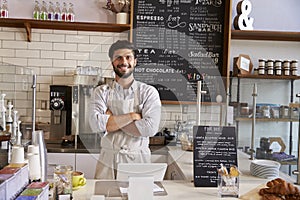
(261, 66)
(286, 67)
(278, 67)
(270, 67)
(294, 67)
(63, 181)
(284, 112)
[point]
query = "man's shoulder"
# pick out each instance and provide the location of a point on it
(143, 86)
(103, 87)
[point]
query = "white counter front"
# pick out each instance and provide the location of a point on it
(185, 189)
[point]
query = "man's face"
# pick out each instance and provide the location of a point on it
(123, 62)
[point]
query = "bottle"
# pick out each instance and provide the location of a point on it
(2, 112)
(64, 12)
(36, 11)
(44, 13)
(13, 138)
(9, 121)
(19, 134)
(51, 11)
(4, 9)
(57, 12)
(71, 14)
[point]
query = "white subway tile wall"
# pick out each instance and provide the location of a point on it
(53, 55)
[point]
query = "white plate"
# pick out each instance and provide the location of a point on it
(266, 163)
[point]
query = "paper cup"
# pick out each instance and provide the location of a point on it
(17, 154)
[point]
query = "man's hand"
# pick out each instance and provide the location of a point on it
(135, 116)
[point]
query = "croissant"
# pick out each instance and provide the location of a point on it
(283, 188)
(275, 182)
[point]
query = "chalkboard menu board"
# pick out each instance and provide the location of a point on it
(181, 42)
(213, 146)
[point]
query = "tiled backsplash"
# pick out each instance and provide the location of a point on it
(53, 56)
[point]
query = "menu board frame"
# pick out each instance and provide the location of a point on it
(213, 146)
(225, 38)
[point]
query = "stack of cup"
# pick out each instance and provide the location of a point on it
(17, 154)
(33, 156)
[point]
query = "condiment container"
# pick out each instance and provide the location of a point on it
(286, 68)
(284, 112)
(294, 67)
(261, 66)
(278, 67)
(270, 67)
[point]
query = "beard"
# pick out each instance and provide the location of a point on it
(123, 74)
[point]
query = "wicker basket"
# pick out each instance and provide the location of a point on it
(186, 145)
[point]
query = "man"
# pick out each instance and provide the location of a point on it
(128, 111)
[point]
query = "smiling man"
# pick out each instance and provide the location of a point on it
(128, 111)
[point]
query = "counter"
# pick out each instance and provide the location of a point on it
(184, 189)
(93, 148)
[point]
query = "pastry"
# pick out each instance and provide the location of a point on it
(279, 189)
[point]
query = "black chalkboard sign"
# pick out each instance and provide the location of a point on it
(180, 42)
(213, 145)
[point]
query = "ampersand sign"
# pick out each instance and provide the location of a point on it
(242, 21)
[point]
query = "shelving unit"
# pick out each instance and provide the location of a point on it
(29, 24)
(239, 118)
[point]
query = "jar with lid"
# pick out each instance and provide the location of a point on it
(266, 111)
(255, 71)
(284, 112)
(278, 67)
(63, 181)
(270, 67)
(261, 66)
(286, 68)
(294, 67)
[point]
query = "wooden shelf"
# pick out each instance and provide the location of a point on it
(282, 77)
(265, 35)
(266, 119)
(28, 24)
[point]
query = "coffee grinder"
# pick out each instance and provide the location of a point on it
(61, 112)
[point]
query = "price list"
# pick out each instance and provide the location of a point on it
(180, 42)
(213, 146)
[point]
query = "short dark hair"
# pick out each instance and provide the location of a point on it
(121, 44)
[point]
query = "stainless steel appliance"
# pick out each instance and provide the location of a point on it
(82, 95)
(61, 112)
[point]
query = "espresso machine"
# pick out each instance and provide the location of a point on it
(61, 112)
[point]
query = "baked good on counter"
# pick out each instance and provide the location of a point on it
(279, 189)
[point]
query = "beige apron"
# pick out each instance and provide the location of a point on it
(120, 147)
